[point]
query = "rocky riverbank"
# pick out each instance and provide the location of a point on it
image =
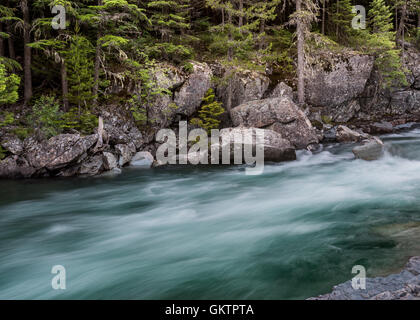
(402, 286)
(344, 104)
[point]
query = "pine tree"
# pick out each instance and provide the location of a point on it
(380, 17)
(341, 16)
(170, 21)
(9, 85)
(209, 113)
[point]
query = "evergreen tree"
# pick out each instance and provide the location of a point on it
(9, 85)
(209, 113)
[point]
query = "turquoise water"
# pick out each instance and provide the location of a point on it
(214, 233)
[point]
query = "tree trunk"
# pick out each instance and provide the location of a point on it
(262, 30)
(301, 53)
(337, 26)
(10, 44)
(97, 57)
(230, 58)
(1, 41)
(64, 86)
(402, 21)
(323, 18)
(241, 9)
(26, 52)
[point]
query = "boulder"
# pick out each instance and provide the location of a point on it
(92, 166)
(381, 128)
(346, 135)
(281, 115)
(59, 151)
(246, 86)
(276, 149)
(110, 161)
(12, 144)
(126, 152)
(335, 79)
(142, 159)
(14, 167)
(189, 97)
(370, 150)
(281, 90)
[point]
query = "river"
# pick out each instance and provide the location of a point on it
(214, 232)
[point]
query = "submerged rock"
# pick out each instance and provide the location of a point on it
(371, 150)
(276, 149)
(402, 286)
(281, 115)
(345, 134)
(142, 159)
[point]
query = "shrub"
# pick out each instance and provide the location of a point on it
(209, 113)
(46, 116)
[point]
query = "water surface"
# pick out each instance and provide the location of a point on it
(214, 232)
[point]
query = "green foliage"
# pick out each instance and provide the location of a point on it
(84, 122)
(9, 85)
(138, 111)
(380, 17)
(2, 153)
(209, 113)
(6, 119)
(46, 116)
(79, 65)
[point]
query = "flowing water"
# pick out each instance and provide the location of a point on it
(214, 233)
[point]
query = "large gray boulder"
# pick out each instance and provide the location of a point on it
(370, 150)
(59, 151)
(142, 159)
(335, 79)
(189, 97)
(246, 86)
(126, 153)
(281, 115)
(276, 149)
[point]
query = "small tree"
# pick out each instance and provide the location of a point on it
(209, 113)
(9, 85)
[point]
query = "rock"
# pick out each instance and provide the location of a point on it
(121, 130)
(142, 159)
(12, 144)
(126, 152)
(188, 99)
(14, 168)
(246, 86)
(59, 151)
(336, 79)
(112, 173)
(167, 76)
(381, 128)
(371, 150)
(345, 112)
(330, 134)
(345, 134)
(92, 166)
(281, 115)
(281, 90)
(110, 161)
(402, 286)
(276, 149)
